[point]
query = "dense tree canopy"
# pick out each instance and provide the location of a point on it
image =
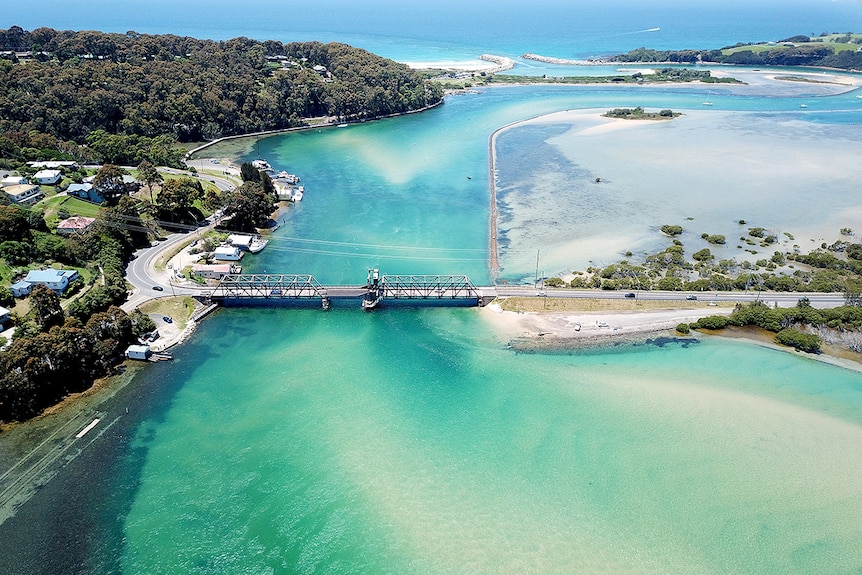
(144, 86)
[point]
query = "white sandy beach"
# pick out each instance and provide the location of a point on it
(587, 325)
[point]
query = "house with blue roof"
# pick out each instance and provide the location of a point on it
(57, 280)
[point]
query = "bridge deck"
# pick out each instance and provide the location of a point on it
(304, 286)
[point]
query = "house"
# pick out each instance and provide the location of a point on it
(4, 316)
(24, 194)
(227, 253)
(240, 241)
(85, 192)
(54, 165)
(212, 272)
(138, 352)
(74, 224)
(13, 181)
(48, 177)
(56, 280)
(20, 289)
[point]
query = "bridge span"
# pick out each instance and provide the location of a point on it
(378, 289)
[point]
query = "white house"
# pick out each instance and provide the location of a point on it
(53, 165)
(241, 241)
(4, 316)
(24, 194)
(212, 272)
(227, 253)
(138, 352)
(13, 181)
(48, 177)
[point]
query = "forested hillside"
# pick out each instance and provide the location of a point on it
(69, 84)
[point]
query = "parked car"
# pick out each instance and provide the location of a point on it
(167, 319)
(158, 288)
(630, 295)
(691, 297)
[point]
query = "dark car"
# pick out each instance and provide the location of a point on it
(166, 319)
(630, 295)
(158, 288)
(691, 297)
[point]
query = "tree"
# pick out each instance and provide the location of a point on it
(178, 196)
(249, 173)
(853, 292)
(249, 206)
(702, 255)
(108, 182)
(46, 306)
(13, 223)
(149, 176)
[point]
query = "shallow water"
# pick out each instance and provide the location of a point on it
(414, 440)
(412, 443)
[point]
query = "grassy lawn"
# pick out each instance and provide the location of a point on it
(538, 304)
(72, 205)
(179, 308)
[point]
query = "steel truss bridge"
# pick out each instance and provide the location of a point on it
(424, 287)
(456, 288)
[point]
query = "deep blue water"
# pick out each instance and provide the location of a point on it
(453, 30)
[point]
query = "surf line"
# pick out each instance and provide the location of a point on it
(87, 429)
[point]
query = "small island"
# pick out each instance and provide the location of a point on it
(639, 113)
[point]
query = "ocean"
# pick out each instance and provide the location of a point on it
(416, 440)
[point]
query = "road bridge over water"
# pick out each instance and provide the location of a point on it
(439, 289)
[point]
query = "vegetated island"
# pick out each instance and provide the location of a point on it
(638, 113)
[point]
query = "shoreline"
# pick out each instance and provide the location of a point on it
(556, 331)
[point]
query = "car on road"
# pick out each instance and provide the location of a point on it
(158, 288)
(167, 319)
(691, 297)
(631, 295)
(542, 293)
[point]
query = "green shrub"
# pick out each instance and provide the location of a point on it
(796, 339)
(683, 328)
(711, 322)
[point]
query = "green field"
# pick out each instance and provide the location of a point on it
(836, 42)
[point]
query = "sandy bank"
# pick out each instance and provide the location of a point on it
(569, 330)
(588, 325)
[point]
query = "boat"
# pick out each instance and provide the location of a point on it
(289, 178)
(262, 165)
(803, 105)
(707, 102)
(257, 244)
(297, 194)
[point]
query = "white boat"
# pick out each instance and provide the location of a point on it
(707, 102)
(261, 165)
(803, 105)
(289, 178)
(297, 194)
(257, 244)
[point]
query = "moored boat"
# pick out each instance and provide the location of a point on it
(257, 244)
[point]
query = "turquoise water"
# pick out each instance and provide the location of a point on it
(416, 443)
(413, 440)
